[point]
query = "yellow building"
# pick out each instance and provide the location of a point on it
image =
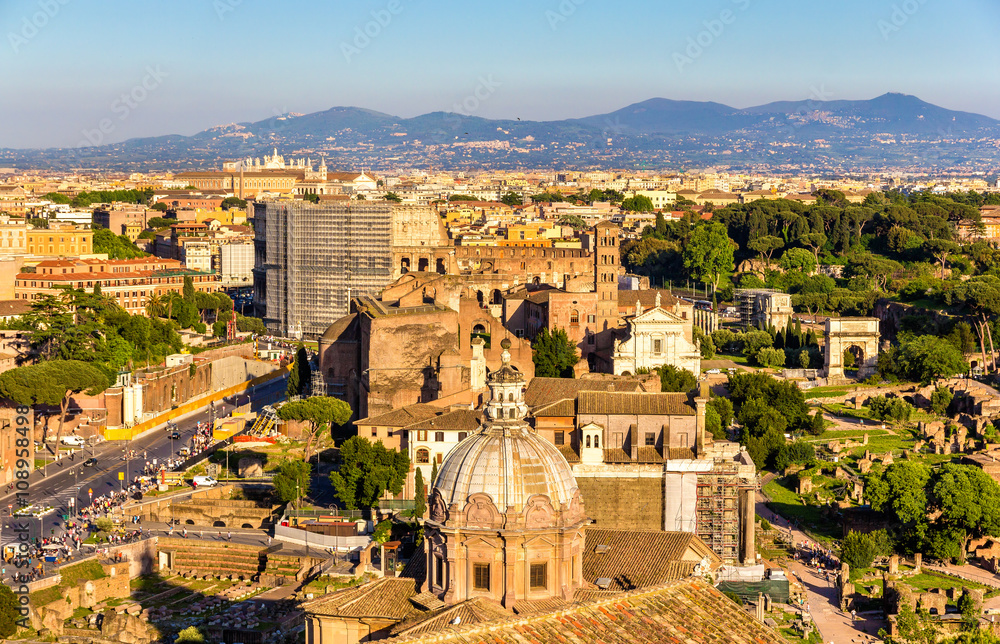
(231, 217)
(60, 240)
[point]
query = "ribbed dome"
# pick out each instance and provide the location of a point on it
(506, 459)
(509, 464)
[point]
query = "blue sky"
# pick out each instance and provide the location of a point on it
(67, 63)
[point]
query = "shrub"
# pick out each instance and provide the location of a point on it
(890, 408)
(941, 400)
(859, 550)
(770, 357)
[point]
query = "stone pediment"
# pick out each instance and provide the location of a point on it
(657, 315)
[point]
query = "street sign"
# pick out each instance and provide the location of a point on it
(121, 476)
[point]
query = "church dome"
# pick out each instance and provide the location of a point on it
(506, 459)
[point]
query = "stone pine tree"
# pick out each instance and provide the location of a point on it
(419, 495)
(321, 412)
(52, 383)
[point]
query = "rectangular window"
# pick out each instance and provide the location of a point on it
(439, 458)
(421, 434)
(657, 346)
(617, 439)
(650, 439)
(591, 319)
(538, 576)
(559, 438)
(374, 432)
(438, 437)
(480, 576)
(462, 436)
(439, 572)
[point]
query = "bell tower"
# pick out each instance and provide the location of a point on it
(607, 255)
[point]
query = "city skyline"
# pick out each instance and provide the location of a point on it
(69, 66)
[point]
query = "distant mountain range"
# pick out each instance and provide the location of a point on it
(890, 132)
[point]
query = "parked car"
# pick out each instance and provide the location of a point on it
(204, 481)
(75, 441)
(90, 462)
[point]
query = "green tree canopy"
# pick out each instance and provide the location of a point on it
(52, 382)
(553, 354)
(9, 611)
(676, 379)
(320, 412)
(367, 471)
(292, 480)
(765, 245)
(708, 255)
(512, 199)
(419, 494)
(638, 203)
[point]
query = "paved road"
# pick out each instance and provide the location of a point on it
(833, 624)
(69, 479)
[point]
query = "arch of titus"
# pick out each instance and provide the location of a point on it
(844, 333)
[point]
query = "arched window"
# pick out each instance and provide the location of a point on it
(510, 397)
(574, 318)
(597, 440)
(588, 441)
(423, 456)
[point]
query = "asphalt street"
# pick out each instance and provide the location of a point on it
(68, 483)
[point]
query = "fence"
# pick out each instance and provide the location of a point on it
(304, 538)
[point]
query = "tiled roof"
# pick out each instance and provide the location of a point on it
(545, 391)
(463, 420)
(387, 598)
(644, 454)
(403, 416)
(637, 559)
(14, 307)
(681, 612)
(638, 404)
(478, 610)
(627, 299)
(564, 407)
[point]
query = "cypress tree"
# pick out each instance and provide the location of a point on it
(419, 495)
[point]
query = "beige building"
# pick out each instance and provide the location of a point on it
(13, 235)
(60, 240)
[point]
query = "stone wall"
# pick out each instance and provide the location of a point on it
(233, 370)
(621, 503)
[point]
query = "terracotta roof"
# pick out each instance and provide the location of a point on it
(565, 407)
(478, 610)
(637, 559)
(403, 416)
(14, 307)
(637, 404)
(627, 299)
(464, 420)
(688, 612)
(545, 391)
(387, 598)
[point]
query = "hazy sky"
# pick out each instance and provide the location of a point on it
(186, 65)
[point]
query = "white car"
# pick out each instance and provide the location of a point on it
(75, 441)
(205, 481)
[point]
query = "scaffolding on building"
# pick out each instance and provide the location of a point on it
(718, 511)
(312, 257)
(748, 304)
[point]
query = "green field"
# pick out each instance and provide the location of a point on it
(787, 503)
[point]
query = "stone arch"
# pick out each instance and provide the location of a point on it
(843, 333)
(536, 281)
(440, 267)
(247, 525)
(496, 297)
(404, 265)
(478, 328)
(189, 522)
(219, 524)
(423, 264)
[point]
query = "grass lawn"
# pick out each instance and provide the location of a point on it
(827, 392)
(788, 504)
(928, 579)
